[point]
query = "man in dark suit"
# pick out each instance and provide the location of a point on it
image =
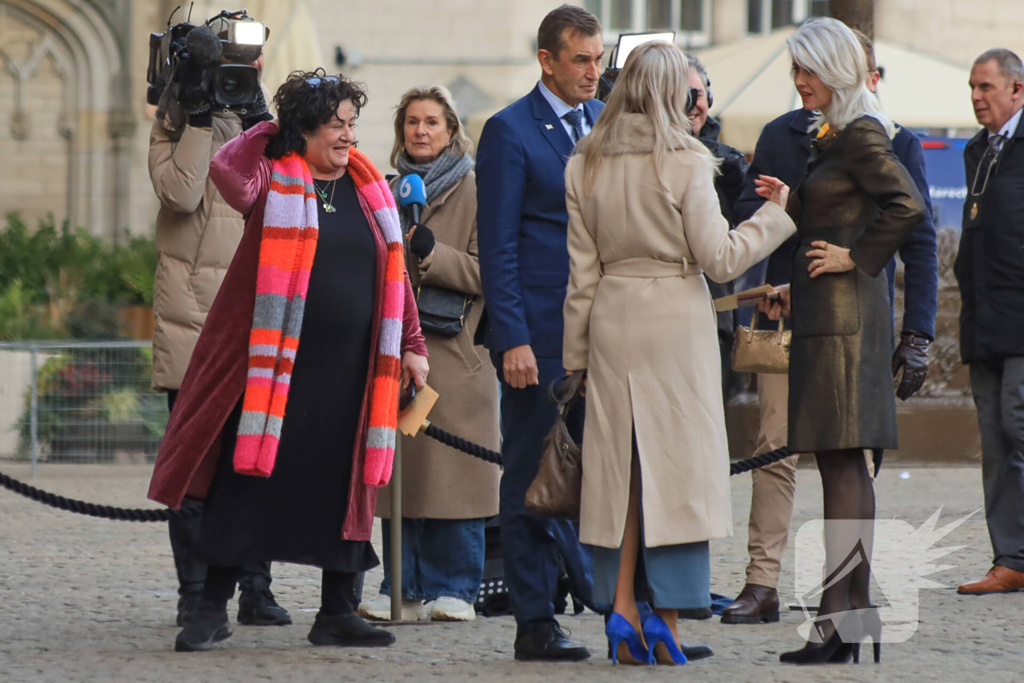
(782, 151)
(524, 266)
(990, 272)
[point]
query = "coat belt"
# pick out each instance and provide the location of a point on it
(649, 268)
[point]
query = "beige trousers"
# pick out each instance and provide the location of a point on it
(771, 503)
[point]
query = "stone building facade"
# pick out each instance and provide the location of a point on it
(74, 127)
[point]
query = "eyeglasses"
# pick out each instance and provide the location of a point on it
(315, 81)
(988, 162)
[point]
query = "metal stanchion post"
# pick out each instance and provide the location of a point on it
(34, 411)
(396, 531)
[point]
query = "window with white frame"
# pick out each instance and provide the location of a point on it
(767, 15)
(691, 19)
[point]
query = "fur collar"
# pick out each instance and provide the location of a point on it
(630, 134)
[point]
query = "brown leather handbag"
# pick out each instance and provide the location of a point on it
(558, 487)
(761, 351)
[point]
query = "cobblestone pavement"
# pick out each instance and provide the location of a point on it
(93, 600)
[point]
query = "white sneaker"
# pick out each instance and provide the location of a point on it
(451, 609)
(379, 609)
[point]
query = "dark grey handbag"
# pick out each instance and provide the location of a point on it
(443, 311)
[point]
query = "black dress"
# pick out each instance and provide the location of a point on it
(857, 195)
(296, 514)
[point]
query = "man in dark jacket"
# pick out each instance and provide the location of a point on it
(990, 271)
(782, 151)
(728, 185)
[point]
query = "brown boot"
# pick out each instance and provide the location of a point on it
(998, 580)
(755, 605)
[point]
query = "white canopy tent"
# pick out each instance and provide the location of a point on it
(752, 85)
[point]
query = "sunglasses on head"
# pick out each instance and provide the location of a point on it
(315, 81)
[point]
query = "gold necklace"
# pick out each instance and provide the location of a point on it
(328, 205)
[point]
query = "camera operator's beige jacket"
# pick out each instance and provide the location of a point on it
(196, 237)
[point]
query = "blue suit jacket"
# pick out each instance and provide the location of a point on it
(521, 225)
(782, 151)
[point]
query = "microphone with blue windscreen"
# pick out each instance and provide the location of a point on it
(412, 194)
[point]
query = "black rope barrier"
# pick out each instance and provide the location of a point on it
(162, 515)
(478, 451)
(93, 510)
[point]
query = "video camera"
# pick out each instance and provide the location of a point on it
(215, 57)
(617, 59)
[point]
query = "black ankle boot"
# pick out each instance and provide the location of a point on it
(348, 630)
(208, 625)
(258, 608)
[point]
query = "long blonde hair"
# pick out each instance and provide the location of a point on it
(459, 143)
(654, 82)
(829, 49)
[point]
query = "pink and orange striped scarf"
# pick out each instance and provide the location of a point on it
(287, 248)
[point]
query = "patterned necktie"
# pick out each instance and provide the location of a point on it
(575, 119)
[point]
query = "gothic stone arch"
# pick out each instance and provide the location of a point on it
(63, 54)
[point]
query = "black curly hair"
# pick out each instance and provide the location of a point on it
(302, 107)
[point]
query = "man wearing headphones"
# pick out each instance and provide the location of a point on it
(729, 185)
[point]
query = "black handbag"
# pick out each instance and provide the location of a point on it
(443, 311)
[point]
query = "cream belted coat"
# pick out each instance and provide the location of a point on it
(641, 322)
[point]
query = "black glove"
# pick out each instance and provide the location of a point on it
(193, 88)
(422, 241)
(256, 112)
(912, 355)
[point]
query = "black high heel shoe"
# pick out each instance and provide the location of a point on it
(868, 623)
(831, 651)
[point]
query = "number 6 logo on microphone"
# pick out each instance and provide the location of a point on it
(404, 188)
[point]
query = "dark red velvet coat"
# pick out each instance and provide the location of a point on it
(215, 379)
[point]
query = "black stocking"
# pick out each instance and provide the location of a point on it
(849, 502)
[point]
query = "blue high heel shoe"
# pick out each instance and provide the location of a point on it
(661, 644)
(621, 633)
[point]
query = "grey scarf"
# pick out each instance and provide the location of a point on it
(439, 175)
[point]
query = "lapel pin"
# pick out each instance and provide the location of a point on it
(549, 126)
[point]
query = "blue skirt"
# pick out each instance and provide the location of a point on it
(668, 577)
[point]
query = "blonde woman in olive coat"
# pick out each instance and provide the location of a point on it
(644, 223)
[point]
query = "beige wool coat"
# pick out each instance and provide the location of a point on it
(641, 321)
(439, 482)
(197, 234)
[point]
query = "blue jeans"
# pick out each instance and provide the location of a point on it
(440, 558)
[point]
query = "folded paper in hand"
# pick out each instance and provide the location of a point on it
(748, 297)
(410, 420)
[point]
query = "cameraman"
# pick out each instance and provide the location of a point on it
(728, 185)
(196, 237)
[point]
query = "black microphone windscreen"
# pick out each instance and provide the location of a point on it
(204, 46)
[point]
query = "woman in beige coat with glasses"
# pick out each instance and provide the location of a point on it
(644, 223)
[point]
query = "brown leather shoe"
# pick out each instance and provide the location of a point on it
(998, 580)
(755, 605)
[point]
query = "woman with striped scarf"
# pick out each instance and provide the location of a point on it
(286, 419)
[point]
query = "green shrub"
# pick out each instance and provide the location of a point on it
(64, 283)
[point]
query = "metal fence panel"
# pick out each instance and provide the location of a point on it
(79, 402)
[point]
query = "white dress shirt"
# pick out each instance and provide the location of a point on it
(561, 109)
(1009, 129)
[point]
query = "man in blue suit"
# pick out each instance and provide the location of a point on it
(782, 151)
(524, 265)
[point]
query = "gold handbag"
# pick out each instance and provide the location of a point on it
(558, 487)
(761, 351)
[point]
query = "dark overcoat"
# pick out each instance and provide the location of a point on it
(856, 195)
(990, 264)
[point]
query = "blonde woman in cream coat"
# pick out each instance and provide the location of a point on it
(644, 223)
